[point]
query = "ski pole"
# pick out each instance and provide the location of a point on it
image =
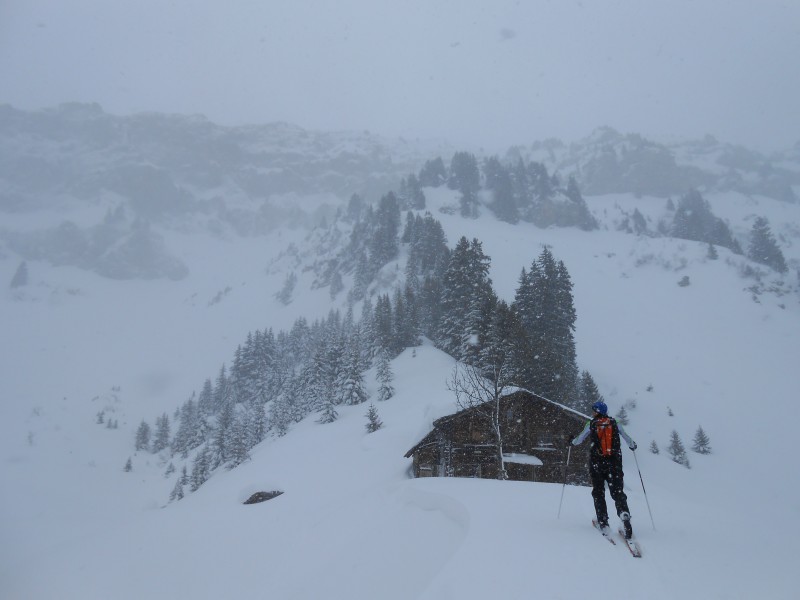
(565, 481)
(644, 490)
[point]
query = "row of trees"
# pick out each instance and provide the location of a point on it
(701, 444)
(694, 220)
(518, 192)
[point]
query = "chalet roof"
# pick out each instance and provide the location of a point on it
(431, 437)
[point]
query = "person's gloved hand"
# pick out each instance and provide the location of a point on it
(633, 446)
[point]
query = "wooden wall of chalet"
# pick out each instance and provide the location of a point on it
(462, 445)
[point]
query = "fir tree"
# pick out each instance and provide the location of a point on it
(373, 420)
(622, 416)
(416, 197)
(588, 393)
(677, 451)
(384, 244)
(654, 447)
(433, 173)
(384, 375)
(694, 220)
(161, 437)
(238, 442)
(465, 177)
(701, 444)
(712, 253)
(201, 468)
(177, 491)
(143, 436)
(639, 223)
(128, 466)
(466, 292)
(352, 387)
(763, 247)
(284, 296)
(545, 306)
(20, 277)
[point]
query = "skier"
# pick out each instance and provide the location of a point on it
(605, 465)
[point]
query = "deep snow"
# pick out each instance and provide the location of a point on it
(351, 524)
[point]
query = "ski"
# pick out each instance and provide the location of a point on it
(603, 533)
(632, 544)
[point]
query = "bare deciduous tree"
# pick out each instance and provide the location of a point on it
(483, 394)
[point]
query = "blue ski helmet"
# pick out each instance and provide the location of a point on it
(600, 407)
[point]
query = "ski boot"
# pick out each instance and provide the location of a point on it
(626, 523)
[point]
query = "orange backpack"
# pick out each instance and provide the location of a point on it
(605, 433)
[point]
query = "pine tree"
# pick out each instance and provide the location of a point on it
(384, 375)
(639, 222)
(545, 306)
(712, 253)
(416, 197)
(465, 294)
(222, 434)
(694, 221)
(764, 248)
(677, 451)
(385, 244)
(238, 442)
(177, 491)
(654, 447)
(20, 277)
(433, 173)
(143, 436)
(352, 387)
(373, 420)
(701, 443)
(465, 177)
(128, 466)
(622, 416)
(201, 468)
(161, 437)
(588, 393)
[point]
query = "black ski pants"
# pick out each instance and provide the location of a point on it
(602, 471)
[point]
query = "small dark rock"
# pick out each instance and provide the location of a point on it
(262, 497)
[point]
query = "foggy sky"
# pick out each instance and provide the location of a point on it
(490, 74)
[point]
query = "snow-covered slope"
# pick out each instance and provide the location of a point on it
(719, 353)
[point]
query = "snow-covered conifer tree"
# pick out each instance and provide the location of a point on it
(373, 420)
(701, 443)
(384, 375)
(764, 248)
(20, 276)
(177, 491)
(143, 436)
(677, 450)
(161, 437)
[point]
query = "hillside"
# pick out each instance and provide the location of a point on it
(716, 353)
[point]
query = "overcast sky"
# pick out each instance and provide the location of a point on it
(490, 73)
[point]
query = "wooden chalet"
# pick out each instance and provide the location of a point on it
(536, 434)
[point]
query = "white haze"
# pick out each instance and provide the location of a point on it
(477, 73)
